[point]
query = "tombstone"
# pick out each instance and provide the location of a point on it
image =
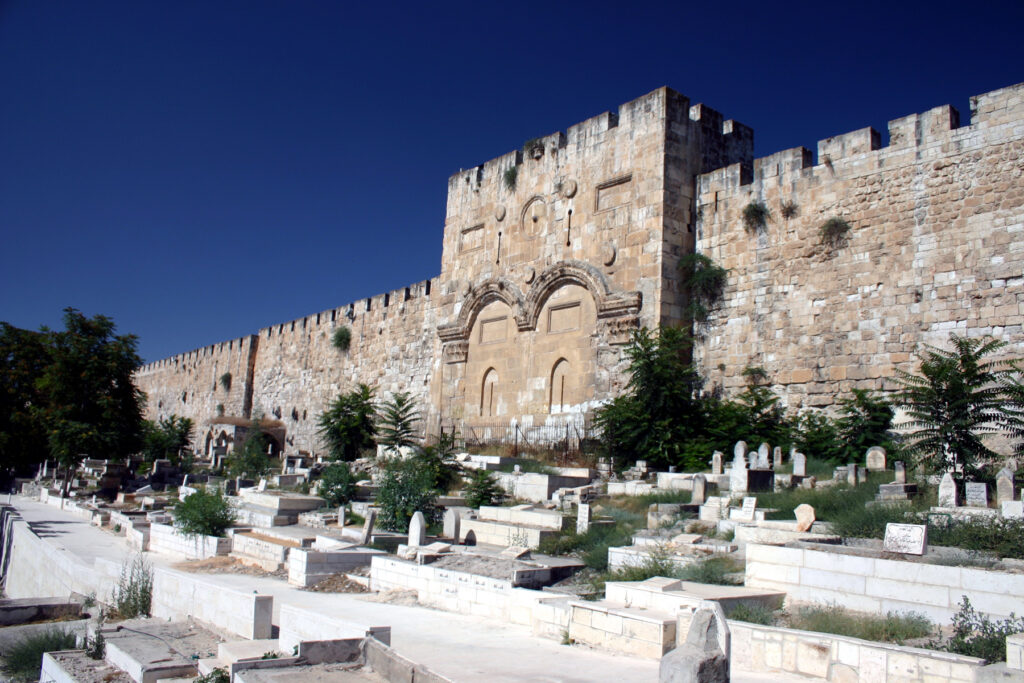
(740, 450)
(777, 457)
(909, 539)
(738, 475)
(1004, 486)
(583, 518)
(262, 486)
(976, 494)
(672, 469)
(799, 464)
(804, 517)
(947, 491)
(748, 509)
(716, 462)
(851, 474)
(517, 468)
(417, 530)
(901, 472)
(371, 517)
(452, 524)
(862, 474)
(700, 489)
(809, 483)
(185, 480)
(763, 453)
(704, 656)
(641, 466)
(875, 459)
(1013, 509)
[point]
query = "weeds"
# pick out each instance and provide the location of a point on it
(135, 589)
(755, 217)
(509, 178)
(833, 231)
(23, 660)
(752, 613)
(975, 635)
(1001, 536)
(342, 338)
(218, 675)
(891, 628)
(789, 209)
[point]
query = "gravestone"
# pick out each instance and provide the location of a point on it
(704, 656)
(738, 473)
(517, 468)
(749, 506)
(809, 483)
(371, 517)
(799, 464)
(909, 539)
(976, 494)
(583, 518)
(851, 474)
(262, 486)
(1013, 509)
(417, 530)
(947, 491)
(342, 513)
(862, 474)
(763, 453)
(739, 450)
(716, 462)
(777, 457)
(901, 472)
(1004, 485)
(452, 524)
(876, 459)
(804, 517)
(700, 485)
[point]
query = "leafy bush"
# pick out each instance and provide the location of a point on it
(134, 589)
(439, 461)
(892, 628)
(833, 231)
(404, 489)
(864, 421)
(976, 635)
(166, 438)
(482, 489)
(251, 460)
(347, 426)
(24, 659)
(337, 484)
(395, 421)
(755, 217)
(342, 338)
(218, 675)
(204, 514)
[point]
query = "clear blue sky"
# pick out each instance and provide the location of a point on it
(199, 169)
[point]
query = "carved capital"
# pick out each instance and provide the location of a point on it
(619, 330)
(455, 352)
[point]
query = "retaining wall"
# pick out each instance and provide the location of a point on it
(310, 567)
(164, 538)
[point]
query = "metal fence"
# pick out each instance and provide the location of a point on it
(568, 439)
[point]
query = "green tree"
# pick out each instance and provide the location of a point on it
(404, 489)
(167, 438)
(24, 355)
(395, 422)
(337, 484)
(347, 426)
(92, 407)
(204, 514)
(958, 398)
(251, 460)
(659, 411)
(482, 489)
(864, 421)
(439, 461)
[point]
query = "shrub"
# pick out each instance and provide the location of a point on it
(482, 489)
(395, 421)
(337, 484)
(755, 217)
(204, 514)
(404, 489)
(218, 675)
(225, 381)
(976, 635)
(251, 460)
(342, 338)
(135, 589)
(439, 461)
(864, 421)
(833, 231)
(704, 280)
(789, 209)
(24, 659)
(347, 426)
(891, 628)
(509, 178)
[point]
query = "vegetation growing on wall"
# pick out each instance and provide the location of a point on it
(225, 381)
(342, 338)
(755, 217)
(704, 280)
(509, 178)
(834, 231)
(789, 209)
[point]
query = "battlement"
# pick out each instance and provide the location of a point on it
(861, 150)
(240, 343)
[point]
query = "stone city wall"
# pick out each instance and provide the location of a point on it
(935, 246)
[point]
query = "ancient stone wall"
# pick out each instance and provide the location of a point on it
(934, 246)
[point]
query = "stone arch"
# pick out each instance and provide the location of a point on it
(488, 291)
(487, 387)
(559, 393)
(533, 219)
(608, 303)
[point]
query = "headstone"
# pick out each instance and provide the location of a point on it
(371, 517)
(901, 472)
(851, 474)
(976, 494)
(1004, 485)
(740, 450)
(809, 483)
(417, 530)
(641, 465)
(749, 506)
(862, 474)
(909, 539)
(517, 468)
(704, 656)
(947, 491)
(185, 480)
(672, 469)
(262, 486)
(716, 462)
(583, 518)
(777, 457)
(452, 524)
(1013, 509)
(763, 453)
(738, 474)
(700, 486)
(799, 464)
(875, 459)
(804, 517)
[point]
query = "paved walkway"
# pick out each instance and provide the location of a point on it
(460, 647)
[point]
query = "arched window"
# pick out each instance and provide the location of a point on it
(487, 403)
(558, 397)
